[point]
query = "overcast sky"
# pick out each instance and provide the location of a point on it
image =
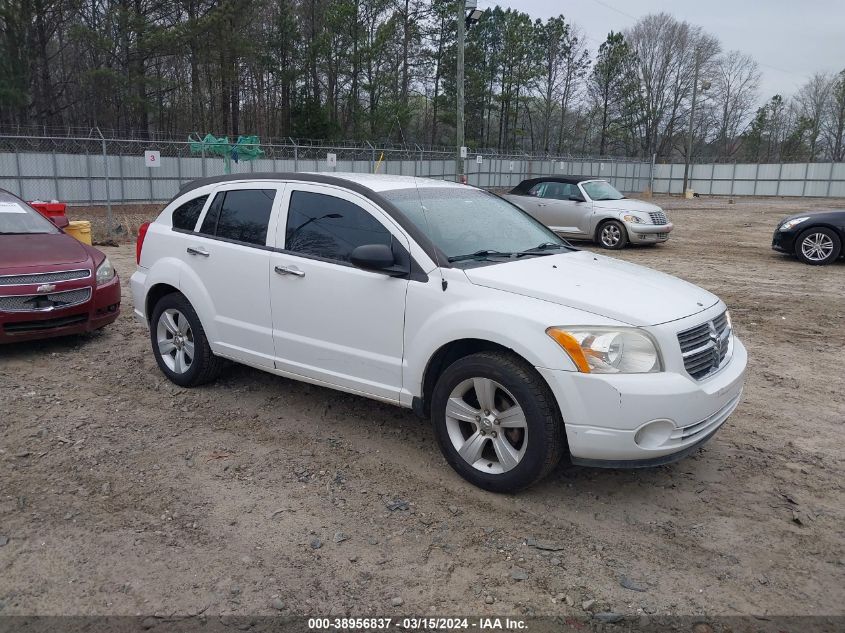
(790, 39)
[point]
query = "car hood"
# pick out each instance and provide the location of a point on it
(627, 204)
(818, 214)
(39, 249)
(598, 284)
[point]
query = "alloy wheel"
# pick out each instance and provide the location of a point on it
(610, 235)
(175, 340)
(817, 247)
(486, 425)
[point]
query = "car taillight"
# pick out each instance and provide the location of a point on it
(142, 233)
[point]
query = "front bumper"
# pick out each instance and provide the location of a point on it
(647, 233)
(605, 415)
(100, 310)
(784, 241)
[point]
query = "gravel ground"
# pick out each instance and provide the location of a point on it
(124, 494)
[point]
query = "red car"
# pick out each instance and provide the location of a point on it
(50, 283)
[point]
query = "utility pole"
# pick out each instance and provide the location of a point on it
(459, 161)
(691, 120)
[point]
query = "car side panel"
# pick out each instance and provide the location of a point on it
(435, 317)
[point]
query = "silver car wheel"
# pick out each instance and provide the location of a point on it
(610, 235)
(175, 340)
(817, 247)
(486, 425)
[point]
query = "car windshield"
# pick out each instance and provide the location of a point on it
(469, 224)
(601, 190)
(17, 217)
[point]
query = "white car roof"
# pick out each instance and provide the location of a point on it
(386, 182)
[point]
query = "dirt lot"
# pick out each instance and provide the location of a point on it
(123, 494)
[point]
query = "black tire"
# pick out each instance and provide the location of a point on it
(204, 366)
(605, 240)
(545, 431)
(810, 234)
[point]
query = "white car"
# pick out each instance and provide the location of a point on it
(587, 208)
(445, 299)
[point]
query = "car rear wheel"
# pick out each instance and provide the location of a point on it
(179, 343)
(496, 421)
(818, 246)
(613, 235)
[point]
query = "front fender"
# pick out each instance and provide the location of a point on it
(434, 319)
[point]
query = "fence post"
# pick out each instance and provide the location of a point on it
(18, 170)
(88, 177)
(780, 175)
(295, 156)
(122, 180)
(733, 178)
(829, 179)
(178, 168)
(651, 174)
(756, 178)
(55, 171)
(806, 173)
(372, 158)
(109, 224)
(203, 161)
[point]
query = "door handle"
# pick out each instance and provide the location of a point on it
(289, 270)
(197, 251)
(542, 204)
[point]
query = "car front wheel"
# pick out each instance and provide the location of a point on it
(818, 246)
(613, 235)
(496, 421)
(179, 343)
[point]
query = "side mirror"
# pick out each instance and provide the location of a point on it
(577, 198)
(376, 258)
(60, 221)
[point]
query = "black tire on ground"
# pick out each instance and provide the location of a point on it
(816, 233)
(205, 366)
(612, 235)
(546, 440)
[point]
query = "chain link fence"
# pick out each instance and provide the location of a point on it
(102, 170)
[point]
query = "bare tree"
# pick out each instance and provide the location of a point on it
(668, 52)
(835, 122)
(736, 79)
(811, 104)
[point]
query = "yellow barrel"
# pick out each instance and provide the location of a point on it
(81, 230)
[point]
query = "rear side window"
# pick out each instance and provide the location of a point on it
(554, 190)
(330, 227)
(241, 215)
(186, 216)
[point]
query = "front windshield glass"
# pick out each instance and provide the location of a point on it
(467, 223)
(17, 217)
(601, 190)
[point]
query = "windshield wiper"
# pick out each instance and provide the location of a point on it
(538, 250)
(479, 255)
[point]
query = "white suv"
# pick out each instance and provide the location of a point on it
(445, 299)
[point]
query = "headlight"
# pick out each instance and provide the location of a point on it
(790, 223)
(608, 350)
(105, 272)
(633, 219)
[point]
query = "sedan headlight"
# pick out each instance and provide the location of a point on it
(793, 222)
(633, 219)
(105, 272)
(597, 350)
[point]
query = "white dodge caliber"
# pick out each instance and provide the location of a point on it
(445, 299)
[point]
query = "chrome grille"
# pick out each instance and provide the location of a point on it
(44, 302)
(658, 217)
(705, 346)
(43, 278)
